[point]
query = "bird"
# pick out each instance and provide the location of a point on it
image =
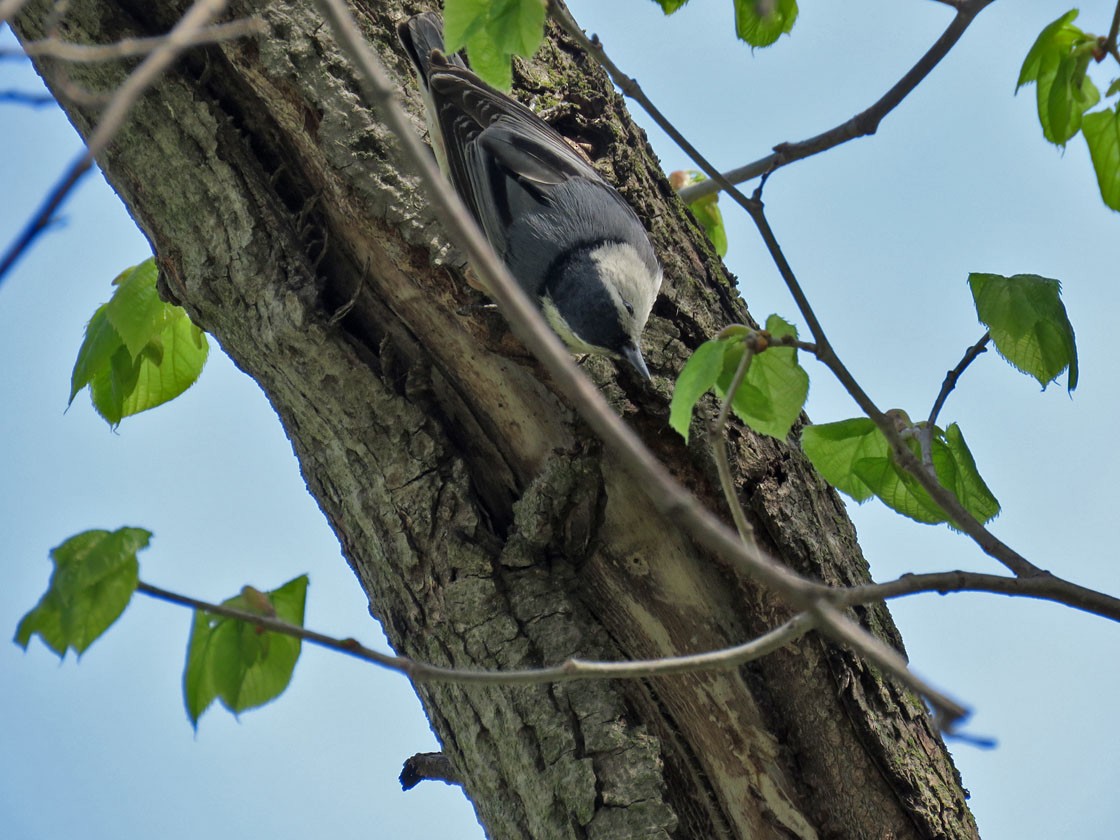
(568, 237)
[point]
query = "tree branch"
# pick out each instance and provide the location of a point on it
(1044, 587)
(961, 518)
(31, 100)
(953, 376)
(568, 671)
(428, 767)
(925, 433)
(197, 17)
(134, 47)
(862, 124)
(10, 8)
(718, 438)
(1113, 33)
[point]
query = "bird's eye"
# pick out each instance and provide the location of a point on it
(629, 307)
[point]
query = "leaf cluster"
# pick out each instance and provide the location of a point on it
(705, 209)
(492, 32)
(1025, 319)
(758, 22)
(138, 352)
(95, 574)
(769, 398)
(238, 664)
(1057, 64)
(855, 457)
(228, 659)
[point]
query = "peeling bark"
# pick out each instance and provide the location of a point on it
(486, 524)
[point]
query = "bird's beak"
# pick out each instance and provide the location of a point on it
(633, 355)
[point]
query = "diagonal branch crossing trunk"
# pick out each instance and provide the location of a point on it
(488, 527)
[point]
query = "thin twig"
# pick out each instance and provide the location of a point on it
(1113, 32)
(1045, 587)
(718, 439)
(947, 711)
(10, 8)
(150, 70)
(948, 502)
(667, 495)
(30, 100)
(134, 47)
(953, 376)
(862, 124)
(631, 88)
(925, 433)
(568, 671)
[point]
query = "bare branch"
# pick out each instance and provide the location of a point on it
(862, 124)
(833, 623)
(568, 671)
(134, 47)
(718, 439)
(631, 88)
(961, 518)
(953, 376)
(30, 100)
(428, 767)
(1045, 587)
(10, 8)
(197, 17)
(1113, 33)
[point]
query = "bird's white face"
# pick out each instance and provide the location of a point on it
(631, 285)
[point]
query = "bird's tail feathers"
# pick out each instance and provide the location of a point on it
(422, 37)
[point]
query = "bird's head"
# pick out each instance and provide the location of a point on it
(599, 298)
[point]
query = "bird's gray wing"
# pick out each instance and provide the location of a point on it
(502, 157)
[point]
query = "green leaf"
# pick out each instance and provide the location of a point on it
(462, 20)
(772, 392)
(1057, 63)
(775, 387)
(95, 574)
(135, 310)
(698, 376)
(1049, 40)
(706, 210)
(518, 25)
(854, 456)
(493, 31)
(899, 490)
(96, 352)
(237, 663)
(490, 63)
(170, 364)
(1113, 88)
(835, 448)
(965, 481)
(139, 352)
(1102, 133)
(1028, 323)
(761, 22)
(670, 6)
(707, 213)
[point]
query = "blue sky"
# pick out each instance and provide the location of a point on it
(883, 233)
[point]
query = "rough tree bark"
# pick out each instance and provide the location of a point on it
(487, 526)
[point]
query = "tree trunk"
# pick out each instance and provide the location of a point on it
(488, 527)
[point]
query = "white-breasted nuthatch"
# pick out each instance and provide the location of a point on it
(569, 239)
